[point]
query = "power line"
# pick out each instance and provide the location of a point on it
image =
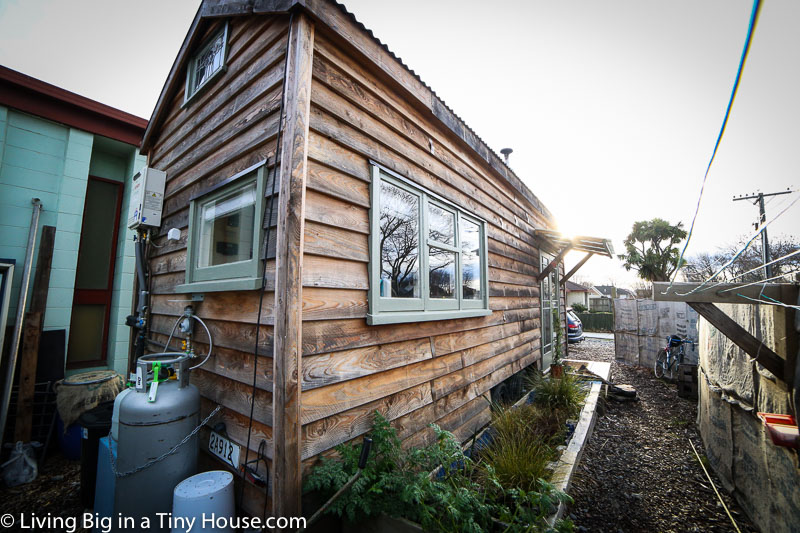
(750, 30)
(762, 217)
(758, 282)
(738, 253)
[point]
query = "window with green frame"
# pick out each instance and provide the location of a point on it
(207, 63)
(224, 236)
(548, 295)
(428, 258)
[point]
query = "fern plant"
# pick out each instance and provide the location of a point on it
(398, 482)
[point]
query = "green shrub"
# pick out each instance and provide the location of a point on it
(517, 461)
(466, 497)
(563, 394)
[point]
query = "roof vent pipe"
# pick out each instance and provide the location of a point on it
(506, 152)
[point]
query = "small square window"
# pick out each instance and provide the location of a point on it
(207, 63)
(225, 231)
(428, 258)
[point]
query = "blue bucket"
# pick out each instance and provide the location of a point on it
(69, 442)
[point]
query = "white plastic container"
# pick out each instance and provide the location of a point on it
(201, 496)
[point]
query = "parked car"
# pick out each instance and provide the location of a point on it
(574, 327)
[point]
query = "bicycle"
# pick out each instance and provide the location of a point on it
(670, 357)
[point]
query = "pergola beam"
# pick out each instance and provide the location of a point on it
(554, 263)
(576, 267)
(725, 293)
(741, 337)
(703, 302)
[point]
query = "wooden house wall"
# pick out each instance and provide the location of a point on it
(226, 129)
(414, 373)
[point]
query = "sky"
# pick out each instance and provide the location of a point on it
(612, 107)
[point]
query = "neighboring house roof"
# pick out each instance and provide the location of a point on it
(337, 20)
(606, 290)
(42, 99)
(576, 287)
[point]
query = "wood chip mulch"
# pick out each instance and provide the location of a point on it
(638, 471)
(55, 492)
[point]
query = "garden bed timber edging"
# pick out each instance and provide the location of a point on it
(570, 458)
(562, 475)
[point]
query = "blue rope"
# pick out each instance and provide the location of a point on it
(751, 28)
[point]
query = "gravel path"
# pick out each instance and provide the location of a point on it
(638, 472)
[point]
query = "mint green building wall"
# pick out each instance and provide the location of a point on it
(119, 164)
(125, 271)
(50, 161)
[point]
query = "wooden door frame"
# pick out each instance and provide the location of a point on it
(110, 287)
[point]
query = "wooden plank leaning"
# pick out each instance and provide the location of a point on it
(34, 320)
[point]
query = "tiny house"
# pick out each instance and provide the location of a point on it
(351, 243)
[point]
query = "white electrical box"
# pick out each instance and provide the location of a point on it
(147, 198)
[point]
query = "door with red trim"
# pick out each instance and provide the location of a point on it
(94, 277)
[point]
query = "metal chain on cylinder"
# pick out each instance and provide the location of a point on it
(161, 457)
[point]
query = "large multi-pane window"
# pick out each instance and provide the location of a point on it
(206, 63)
(427, 257)
(548, 294)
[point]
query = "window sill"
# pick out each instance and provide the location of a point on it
(239, 284)
(424, 316)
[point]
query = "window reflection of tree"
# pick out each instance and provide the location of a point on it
(441, 225)
(468, 278)
(442, 272)
(399, 241)
(470, 258)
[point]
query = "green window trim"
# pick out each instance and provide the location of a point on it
(392, 310)
(238, 275)
(192, 89)
(549, 302)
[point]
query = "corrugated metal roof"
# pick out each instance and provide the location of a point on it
(595, 245)
(413, 73)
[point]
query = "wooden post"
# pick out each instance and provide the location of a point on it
(32, 330)
(741, 337)
(287, 425)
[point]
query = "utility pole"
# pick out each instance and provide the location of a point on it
(762, 218)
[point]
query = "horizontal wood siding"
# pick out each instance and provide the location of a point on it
(413, 373)
(225, 129)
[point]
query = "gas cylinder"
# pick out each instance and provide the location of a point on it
(148, 422)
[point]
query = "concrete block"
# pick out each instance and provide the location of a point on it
(68, 222)
(76, 169)
(67, 240)
(65, 259)
(80, 137)
(34, 141)
(16, 216)
(38, 125)
(79, 152)
(62, 278)
(71, 204)
(73, 187)
(20, 196)
(57, 317)
(60, 297)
